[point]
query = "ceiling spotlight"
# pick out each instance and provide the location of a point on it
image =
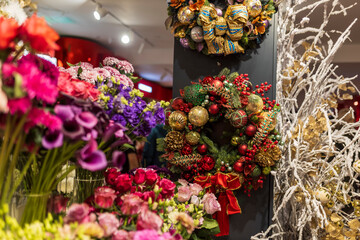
(125, 39)
(99, 12)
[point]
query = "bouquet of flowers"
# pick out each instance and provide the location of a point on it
(145, 205)
(114, 79)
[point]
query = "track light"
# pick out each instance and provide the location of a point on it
(99, 12)
(125, 39)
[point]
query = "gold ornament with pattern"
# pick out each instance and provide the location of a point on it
(174, 140)
(177, 120)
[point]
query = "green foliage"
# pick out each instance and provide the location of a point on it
(232, 77)
(212, 148)
(160, 145)
(225, 72)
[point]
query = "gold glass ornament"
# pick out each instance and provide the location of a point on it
(266, 116)
(357, 212)
(322, 195)
(356, 203)
(185, 15)
(255, 104)
(330, 204)
(198, 116)
(177, 120)
(192, 137)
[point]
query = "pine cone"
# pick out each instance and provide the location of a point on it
(268, 158)
(174, 140)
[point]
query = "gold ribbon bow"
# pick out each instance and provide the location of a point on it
(231, 25)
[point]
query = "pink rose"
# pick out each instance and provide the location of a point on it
(211, 204)
(151, 177)
(167, 187)
(184, 193)
(104, 196)
(195, 189)
(123, 183)
(139, 177)
(131, 204)
(120, 235)
(183, 182)
(77, 213)
(148, 220)
(109, 223)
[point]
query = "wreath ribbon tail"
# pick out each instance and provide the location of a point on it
(229, 205)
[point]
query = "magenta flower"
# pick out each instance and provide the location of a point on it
(118, 159)
(109, 223)
(90, 158)
(64, 112)
(19, 105)
(52, 139)
(86, 119)
(57, 204)
(38, 116)
(104, 196)
(139, 177)
(72, 129)
(147, 235)
(120, 235)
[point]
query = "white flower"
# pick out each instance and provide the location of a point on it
(66, 185)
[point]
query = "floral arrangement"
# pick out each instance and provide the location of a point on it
(114, 82)
(219, 27)
(222, 136)
(145, 205)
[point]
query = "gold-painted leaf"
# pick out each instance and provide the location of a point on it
(335, 217)
(354, 224)
(168, 22)
(347, 96)
(352, 89)
(343, 87)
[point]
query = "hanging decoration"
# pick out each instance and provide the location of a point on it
(317, 185)
(220, 27)
(221, 135)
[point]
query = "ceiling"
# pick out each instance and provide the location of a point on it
(155, 60)
(146, 17)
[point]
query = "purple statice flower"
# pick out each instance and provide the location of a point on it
(128, 111)
(160, 116)
(111, 61)
(149, 119)
(134, 121)
(119, 119)
(125, 66)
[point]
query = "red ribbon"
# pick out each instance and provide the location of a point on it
(224, 184)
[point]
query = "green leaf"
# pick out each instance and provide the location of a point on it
(70, 65)
(210, 223)
(80, 70)
(18, 90)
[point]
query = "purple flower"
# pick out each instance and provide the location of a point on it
(119, 119)
(96, 161)
(160, 116)
(128, 111)
(87, 120)
(89, 148)
(52, 139)
(64, 112)
(72, 129)
(118, 159)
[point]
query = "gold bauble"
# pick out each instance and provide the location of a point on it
(177, 120)
(192, 137)
(266, 116)
(255, 104)
(198, 116)
(174, 140)
(185, 15)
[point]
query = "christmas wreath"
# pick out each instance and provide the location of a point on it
(219, 27)
(221, 135)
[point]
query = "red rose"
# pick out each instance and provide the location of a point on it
(167, 187)
(151, 177)
(57, 204)
(41, 37)
(148, 194)
(123, 183)
(104, 196)
(110, 176)
(208, 163)
(139, 177)
(119, 201)
(8, 31)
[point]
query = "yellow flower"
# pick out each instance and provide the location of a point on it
(124, 101)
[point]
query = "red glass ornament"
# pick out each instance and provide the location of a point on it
(202, 149)
(239, 166)
(242, 149)
(214, 109)
(208, 163)
(207, 80)
(186, 150)
(250, 130)
(177, 103)
(217, 84)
